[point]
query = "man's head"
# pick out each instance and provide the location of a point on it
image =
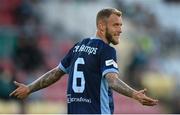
(109, 22)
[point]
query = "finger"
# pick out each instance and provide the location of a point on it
(141, 91)
(15, 92)
(156, 101)
(144, 102)
(149, 103)
(19, 97)
(149, 99)
(11, 94)
(17, 84)
(144, 90)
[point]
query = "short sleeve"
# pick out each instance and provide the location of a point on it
(108, 61)
(66, 61)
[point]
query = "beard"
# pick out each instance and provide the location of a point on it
(109, 37)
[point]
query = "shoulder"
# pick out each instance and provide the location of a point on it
(84, 40)
(98, 43)
(107, 48)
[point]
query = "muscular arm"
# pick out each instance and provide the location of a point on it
(46, 80)
(118, 85)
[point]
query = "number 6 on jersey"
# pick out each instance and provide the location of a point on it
(78, 76)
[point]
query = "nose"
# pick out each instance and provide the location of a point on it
(120, 30)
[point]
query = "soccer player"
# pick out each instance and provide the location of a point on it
(93, 71)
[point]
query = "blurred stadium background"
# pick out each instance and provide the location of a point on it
(36, 34)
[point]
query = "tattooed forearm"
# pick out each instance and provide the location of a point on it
(118, 85)
(46, 80)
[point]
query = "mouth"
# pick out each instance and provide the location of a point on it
(117, 36)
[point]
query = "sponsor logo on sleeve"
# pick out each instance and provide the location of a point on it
(111, 62)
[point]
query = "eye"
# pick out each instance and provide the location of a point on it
(117, 25)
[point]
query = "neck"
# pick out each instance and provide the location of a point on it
(101, 36)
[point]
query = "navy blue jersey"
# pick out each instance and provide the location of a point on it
(87, 63)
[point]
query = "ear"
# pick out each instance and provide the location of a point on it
(101, 25)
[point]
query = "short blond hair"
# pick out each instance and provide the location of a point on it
(106, 13)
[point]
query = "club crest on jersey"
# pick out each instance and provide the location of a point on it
(111, 62)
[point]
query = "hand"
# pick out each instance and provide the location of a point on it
(21, 92)
(143, 99)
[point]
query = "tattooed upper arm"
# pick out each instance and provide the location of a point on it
(46, 80)
(118, 85)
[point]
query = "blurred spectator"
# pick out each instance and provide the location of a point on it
(172, 1)
(26, 55)
(23, 12)
(175, 104)
(136, 69)
(7, 76)
(6, 12)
